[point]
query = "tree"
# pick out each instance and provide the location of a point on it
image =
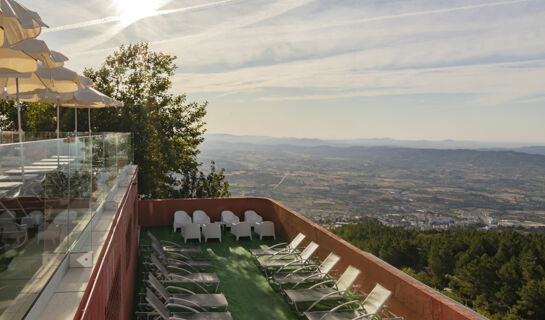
(166, 128)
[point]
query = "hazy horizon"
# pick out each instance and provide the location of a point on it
(409, 70)
(515, 143)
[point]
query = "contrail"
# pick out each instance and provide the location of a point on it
(118, 18)
(421, 13)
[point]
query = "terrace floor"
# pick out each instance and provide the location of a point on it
(247, 290)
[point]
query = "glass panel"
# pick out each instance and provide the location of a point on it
(52, 195)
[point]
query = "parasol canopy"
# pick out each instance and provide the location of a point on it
(18, 22)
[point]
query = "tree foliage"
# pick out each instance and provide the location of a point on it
(499, 274)
(167, 129)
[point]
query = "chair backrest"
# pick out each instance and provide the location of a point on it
(37, 215)
(347, 279)
(376, 299)
(296, 241)
(159, 265)
(156, 284)
(327, 265)
(181, 217)
(200, 216)
(211, 228)
(156, 304)
(252, 216)
(309, 251)
(229, 217)
(244, 227)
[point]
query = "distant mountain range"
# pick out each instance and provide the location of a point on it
(219, 140)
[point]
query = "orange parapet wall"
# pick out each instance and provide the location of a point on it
(411, 299)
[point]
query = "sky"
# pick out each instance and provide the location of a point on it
(403, 69)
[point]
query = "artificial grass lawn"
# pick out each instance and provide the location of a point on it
(248, 292)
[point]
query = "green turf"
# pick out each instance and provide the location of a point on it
(248, 293)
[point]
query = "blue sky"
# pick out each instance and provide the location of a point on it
(405, 69)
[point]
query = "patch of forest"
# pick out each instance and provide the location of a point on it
(500, 274)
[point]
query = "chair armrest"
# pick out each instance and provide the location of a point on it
(171, 243)
(181, 289)
(181, 306)
(182, 269)
(278, 245)
(322, 298)
(178, 255)
(177, 276)
(289, 264)
(340, 307)
(175, 302)
(303, 268)
(345, 304)
(305, 279)
(322, 283)
(366, 316)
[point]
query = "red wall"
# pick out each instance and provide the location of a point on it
(411, 299)
(109, 293)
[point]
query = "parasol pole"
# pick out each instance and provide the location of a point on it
(58, 133)
(76, 121)
(89, 117)
(20, 130)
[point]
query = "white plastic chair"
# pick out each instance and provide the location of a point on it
(201, 217)
(211, 231)
(38, 216)
(181, 218)
(191, 231)
(252, 217)
(33, 219)
(242, 229)
(265, 229)
(228, 218)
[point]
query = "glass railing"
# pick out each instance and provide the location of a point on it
(50, 192)
(13, 136)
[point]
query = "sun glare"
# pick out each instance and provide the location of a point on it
(134, 10)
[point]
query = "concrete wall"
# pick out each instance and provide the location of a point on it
(411, 299)
(109, 293)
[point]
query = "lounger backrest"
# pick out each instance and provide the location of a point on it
(309, 251)
(159, 250)
(156, 284)
(156, 304)
(376, 299)
(296, 241)
(181, 216)
(161, 267)
(329, 262)
(347, 279)
(200, 216)
(7, 215)
(153, 238)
